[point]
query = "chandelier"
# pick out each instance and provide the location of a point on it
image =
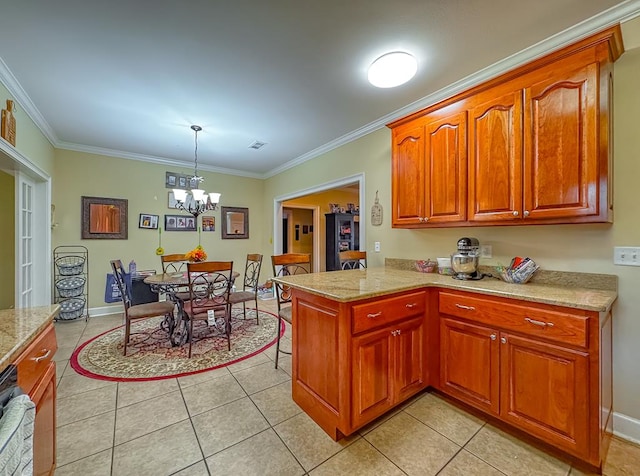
(196, 201)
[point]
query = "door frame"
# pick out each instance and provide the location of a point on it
(15, 163)
(277, 212)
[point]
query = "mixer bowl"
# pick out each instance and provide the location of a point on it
(465, 263)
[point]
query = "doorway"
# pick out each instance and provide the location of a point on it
(298, 200)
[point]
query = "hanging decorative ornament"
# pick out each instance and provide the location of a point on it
(159, 249)
(376, 212)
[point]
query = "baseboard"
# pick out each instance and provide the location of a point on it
(626, 427)
(106, 310)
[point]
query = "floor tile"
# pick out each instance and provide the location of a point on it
(144, 417)
(85, 405)
(358, 459)
(64, 352)
(200, 377)
(445, 418)
(198, 469)
(469, 465)
(623, 458)
(262, 454)
(411, 445)
(308, 442)
(165, 451)
(248, 363)
(211, 394)
(276, 403)
(260, 377)
(94, 465)
(84, 438)
(61, 366)
(72, 383)
(227, 425)
(379, 421)
(134, 392)
(512, 456)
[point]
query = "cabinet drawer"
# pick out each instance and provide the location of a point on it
(559, 326)
(34, 361)
(384, 311)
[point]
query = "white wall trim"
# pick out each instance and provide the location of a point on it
(105, 310)
(626, 427)
(316, 225)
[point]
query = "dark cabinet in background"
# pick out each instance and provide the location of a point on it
(341, 235)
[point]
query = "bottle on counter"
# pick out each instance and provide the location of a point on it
(132, 267)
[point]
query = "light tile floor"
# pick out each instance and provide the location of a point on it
(241, 420)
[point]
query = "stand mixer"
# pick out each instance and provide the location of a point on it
(465, 261)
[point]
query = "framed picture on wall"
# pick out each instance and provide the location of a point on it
(179, 223)
(148, 221)
(208, 223)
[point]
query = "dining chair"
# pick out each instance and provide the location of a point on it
(138, 311)
(209, 288)
(353, 259)
(176, 263)
(249, 290)
(285, 265)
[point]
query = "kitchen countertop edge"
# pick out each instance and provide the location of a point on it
(356, 285)
(19, 327)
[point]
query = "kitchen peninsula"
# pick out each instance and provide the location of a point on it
(536, 357)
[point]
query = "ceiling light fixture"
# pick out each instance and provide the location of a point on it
(392, 69)
(198, 201)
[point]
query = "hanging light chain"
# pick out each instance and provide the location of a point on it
(196, 178)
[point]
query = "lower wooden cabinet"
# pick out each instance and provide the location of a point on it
(545, 379)
(387, 367)
(37, 378)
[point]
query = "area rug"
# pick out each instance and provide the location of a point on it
(150, 355)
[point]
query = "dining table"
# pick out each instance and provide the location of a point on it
(173, 285)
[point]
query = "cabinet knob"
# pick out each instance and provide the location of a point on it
(374, 315)
(426, 219)
(515, 213)
(493, 337)
(393, 333)
(503, 340)
(526, 213)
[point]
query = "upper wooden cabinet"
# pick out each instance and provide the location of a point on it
(429, 169)
(531, 146)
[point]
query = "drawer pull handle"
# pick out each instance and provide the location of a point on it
(411, 305)
(467, 308)
(374, 315)
(42, 357)
(538, 323)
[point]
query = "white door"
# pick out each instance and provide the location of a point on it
(24, 241)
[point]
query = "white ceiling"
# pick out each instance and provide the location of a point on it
(127, 78)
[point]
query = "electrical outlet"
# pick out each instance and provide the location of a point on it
(626, 255)
(376, 247)
(486, 251)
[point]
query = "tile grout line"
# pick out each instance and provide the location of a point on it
(195, 433)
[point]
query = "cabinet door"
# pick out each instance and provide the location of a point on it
(410, 359)
(407, 180)
(44, 436)
(495, 155)
(372, 375)
(446, 167)
(545, 391)
(469, 363)
(561, 153)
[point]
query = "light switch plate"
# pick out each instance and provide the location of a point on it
(486, 251)
(626, 255)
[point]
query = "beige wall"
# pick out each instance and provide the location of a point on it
(583, 248)
(7, 233)
(142, 184)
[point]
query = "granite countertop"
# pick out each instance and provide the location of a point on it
(354, 285)
(18, 327)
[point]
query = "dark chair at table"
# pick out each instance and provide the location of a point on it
(176, 263)
(285, 265)
(209, 288)
(138, 311)
(353, 259)
(249, 291)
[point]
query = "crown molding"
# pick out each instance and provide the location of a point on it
(618, 14)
